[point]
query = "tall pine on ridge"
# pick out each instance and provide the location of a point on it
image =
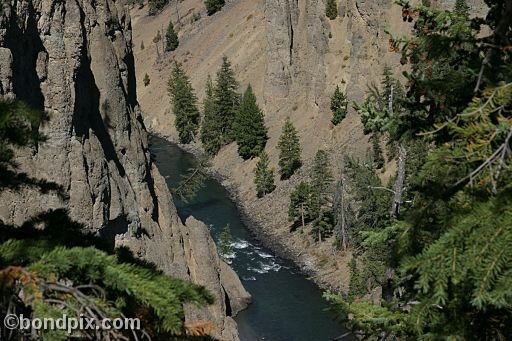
(227, 101)
(249, 126)
(184, 104)
(289, 150)
(210, 129)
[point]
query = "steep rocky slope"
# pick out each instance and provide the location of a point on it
(294, 57)
(73, 59)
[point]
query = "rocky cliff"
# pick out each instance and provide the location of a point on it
(73, 59)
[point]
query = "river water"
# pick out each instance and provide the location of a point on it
(286, 306)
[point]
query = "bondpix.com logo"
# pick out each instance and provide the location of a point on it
(69, 324)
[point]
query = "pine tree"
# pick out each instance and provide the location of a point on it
(146, 80)
(225, 241)
(299, 210)
(227, 101)
(322, 195)
(289, 150)
(184, 104)
(264, 176)
(156, 6)
(461, 8)
(339, 105)
(210, 129)
(331, 9)
(452, 244)
(171, 38)
(213, 6)
(249, 127)
(378, 157)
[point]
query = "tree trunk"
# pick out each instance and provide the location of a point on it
(399, 182)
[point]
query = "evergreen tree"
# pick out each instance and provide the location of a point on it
(339, 104)
(453, 241)
(192, 181)
(211, 127)
(156, 6)
(213, 6)
(249, 127)
(322, 194)
(184, 104)
(461, 8)
(171, 38)
(225, 241)
(301, 202)
(331, 9)
(146, 80)
(378, 157)
(289, 150)
(264, 176)
(227, 101)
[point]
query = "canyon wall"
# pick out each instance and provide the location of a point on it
(293, 56)
(73, 60)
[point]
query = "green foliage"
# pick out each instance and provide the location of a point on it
(289, 150)
(455, 279)
(377, 155)
(331, 9)
(264, 176)
(171, 38)
(213, 6)
(339, 104)
(461, 8)
(146, 80)
(225, 241)
(249, 127)
(156, 6)
(301, 203)
(227, 101)
(322, 195)
(192, 181)
(184, 104)
(210, 129)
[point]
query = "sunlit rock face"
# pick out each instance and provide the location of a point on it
(73, 60)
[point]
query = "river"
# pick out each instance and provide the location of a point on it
(286, 306)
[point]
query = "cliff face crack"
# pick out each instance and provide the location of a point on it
(290, 23)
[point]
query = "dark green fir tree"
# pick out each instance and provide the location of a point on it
(264, 176)
(339, 106)
(249, 126)
(227, 100)
(289, 150)
(213, 6)
(331, 9)
(211, 127)
(300, 209)
(184, 104)
(171, 38)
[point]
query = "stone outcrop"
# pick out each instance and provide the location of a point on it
(73, 59)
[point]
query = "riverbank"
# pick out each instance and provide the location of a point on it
(282, 297)
(320, 263)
